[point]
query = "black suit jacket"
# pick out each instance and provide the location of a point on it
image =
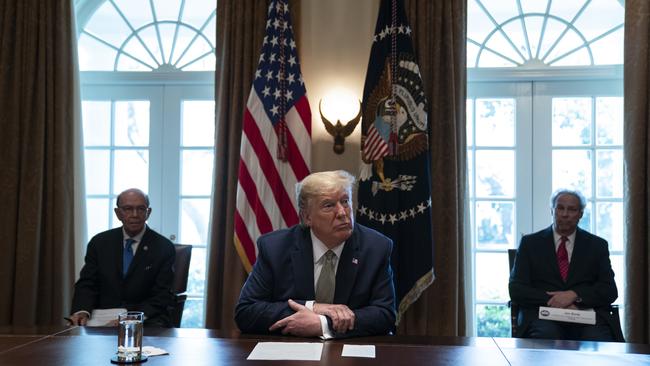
(284, 270)
(536, 271)
(148, 283)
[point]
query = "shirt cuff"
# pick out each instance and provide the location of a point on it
(310, 305)
(327, 333)
(82, 312)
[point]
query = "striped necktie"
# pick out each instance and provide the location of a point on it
(563, 258)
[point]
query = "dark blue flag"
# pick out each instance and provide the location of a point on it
(394, 184)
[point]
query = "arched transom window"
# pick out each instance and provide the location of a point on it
(163, 35)
(544, 32)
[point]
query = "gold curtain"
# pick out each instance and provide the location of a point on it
(240, 31)
(37, 78)
(637, 169)
(439, 29)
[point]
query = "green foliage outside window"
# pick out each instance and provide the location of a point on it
(493, 321)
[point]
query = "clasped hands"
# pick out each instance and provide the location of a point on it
(306, 323)
(562, 299)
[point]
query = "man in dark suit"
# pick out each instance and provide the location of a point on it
(327, 276)
(128, 267)
(564, 266)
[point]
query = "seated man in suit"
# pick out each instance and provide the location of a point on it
(327, 276)
(563, 266)
(128, 267)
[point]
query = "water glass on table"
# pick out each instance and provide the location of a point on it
(129, 338)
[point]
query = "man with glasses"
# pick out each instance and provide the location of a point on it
(566, 267)
(128, 267)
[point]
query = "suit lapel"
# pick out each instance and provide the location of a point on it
(579, 248)
(346, 271)
(550, 254)
(117, 250)
(302, 262)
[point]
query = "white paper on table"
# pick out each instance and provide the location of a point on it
(101, 317)
(153, 351)
(587, 316)
(350, 350)
(294, 351)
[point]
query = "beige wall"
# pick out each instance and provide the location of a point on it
(335, 40)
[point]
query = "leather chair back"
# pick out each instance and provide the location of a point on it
(181, 273)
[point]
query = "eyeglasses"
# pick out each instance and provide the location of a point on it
(138, 210)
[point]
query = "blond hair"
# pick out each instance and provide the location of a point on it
(320, 183)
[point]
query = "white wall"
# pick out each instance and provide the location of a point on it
(335, 40)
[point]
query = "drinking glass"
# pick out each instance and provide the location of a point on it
(129, 338)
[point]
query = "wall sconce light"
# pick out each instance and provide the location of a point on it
(339, 131)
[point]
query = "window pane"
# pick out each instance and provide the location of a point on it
(592, 21)
(196, 12)
(198, 123)
(609, 221)
(602, 49)
(470, 172)
(137, 12)
(196, 278)
(131, 170)
(127, 63)
(96, 123)
(585, 221)
(492, 273)
(571, 121)
(107, 24)
(149, 36)
(194, 221)
(193, 314)
(572, 169)
(495, 173)
(197, 172)
(206, 62)
(167, 10)
(609, 173)
(97, 167)
(94, 55)
(609, 121)
(469, 104)
(197, 49)
(97, 215)
(495, 122)
(132, 123)
(495, 224)
(135, 48)
(492, 321)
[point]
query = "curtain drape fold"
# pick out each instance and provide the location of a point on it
(240, 31)
(637, 170)
(439, 29)
(37, 119)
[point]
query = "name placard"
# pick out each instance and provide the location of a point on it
(587, 316)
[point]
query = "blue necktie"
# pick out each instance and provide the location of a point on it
(127, 256)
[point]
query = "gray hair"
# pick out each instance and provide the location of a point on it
(132, 190)
(572, 192)
(317, 184)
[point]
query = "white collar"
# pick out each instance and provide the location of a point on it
(319, 248)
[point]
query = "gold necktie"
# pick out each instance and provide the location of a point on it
(326, 280)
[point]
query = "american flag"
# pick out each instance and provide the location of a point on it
(276, 141)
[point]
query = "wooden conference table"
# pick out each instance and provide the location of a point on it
(95, 346)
